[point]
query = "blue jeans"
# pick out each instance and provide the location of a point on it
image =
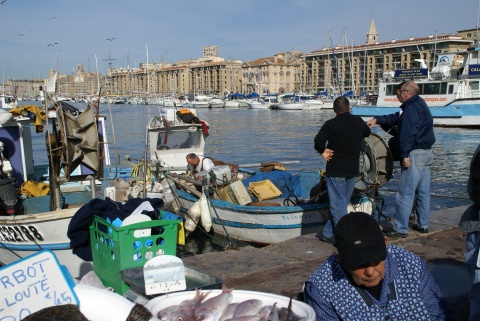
(340, 190)
(414, 181)
(472, 260)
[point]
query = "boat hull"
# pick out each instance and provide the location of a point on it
(268, 224)
(460, 113)
(291, 106)
(23, 235)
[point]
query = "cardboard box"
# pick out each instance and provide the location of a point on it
(235, 193)
(270, 166)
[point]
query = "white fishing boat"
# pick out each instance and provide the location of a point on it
(257, 104)
(200, 101)
(312, 102)
(232, 103)
(290, 102)
(168, 101)
(8, 101)
(244, 216)
(295, 210)
(454, 100)
(216, 102)
(77, 154)
(272, 101)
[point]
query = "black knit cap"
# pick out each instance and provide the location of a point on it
(359, 240)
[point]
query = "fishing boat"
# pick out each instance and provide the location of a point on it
(8, 101)
(76, 157)
(290, 102)
(454, 100)
(239, 214)
(258, 103)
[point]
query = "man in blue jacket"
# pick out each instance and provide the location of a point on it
(416, 138)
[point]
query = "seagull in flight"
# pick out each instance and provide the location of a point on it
(48, 19)
(3, 1)
(52, 44)
(23, 33)
(110, 39)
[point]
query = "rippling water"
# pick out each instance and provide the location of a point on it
(244, 136)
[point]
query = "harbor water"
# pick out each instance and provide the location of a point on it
(246, 136)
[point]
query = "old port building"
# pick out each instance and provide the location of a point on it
(357, 68)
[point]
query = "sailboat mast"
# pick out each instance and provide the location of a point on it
(148, 74)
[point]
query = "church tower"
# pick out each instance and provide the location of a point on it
(372, 35)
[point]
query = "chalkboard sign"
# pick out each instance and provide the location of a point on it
(33, 283)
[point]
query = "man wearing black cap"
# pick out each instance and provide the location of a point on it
(368, 279)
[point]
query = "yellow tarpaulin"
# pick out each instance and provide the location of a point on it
(40, 115)
(34, 189)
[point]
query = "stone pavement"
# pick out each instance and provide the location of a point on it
(282, 268)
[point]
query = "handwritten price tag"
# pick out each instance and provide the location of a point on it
(34, 283)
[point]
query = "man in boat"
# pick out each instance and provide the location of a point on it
(416, 138)
(370, 279)
(339, 141)
(470, 224)
(197, 164)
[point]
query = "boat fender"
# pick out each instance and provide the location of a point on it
(6, 167)
(205, 213)
(193, 217)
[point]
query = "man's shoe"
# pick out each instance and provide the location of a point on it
(391, 233)
(419, 229)
(329, 240)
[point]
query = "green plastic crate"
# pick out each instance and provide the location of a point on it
(117, 249)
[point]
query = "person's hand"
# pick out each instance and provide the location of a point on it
(406, 162)
(327, 154)
(371, 122)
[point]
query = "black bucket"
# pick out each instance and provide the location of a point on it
(8, 196)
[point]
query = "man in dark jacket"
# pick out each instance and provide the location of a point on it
(340, 142)
(416, 138)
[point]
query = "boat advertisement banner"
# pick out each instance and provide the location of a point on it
(411, 73)
(474, 70)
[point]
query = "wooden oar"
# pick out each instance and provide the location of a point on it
(260, 164)
(177, 169)
(187, 187)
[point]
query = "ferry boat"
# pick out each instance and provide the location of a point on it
(453, 98)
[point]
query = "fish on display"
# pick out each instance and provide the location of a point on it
(248, 307)
(245, 318)
(265, 312)
(273, 316)
(165, 313)
(213, 308)
(184, 311)
(287, 314)
(229, 311)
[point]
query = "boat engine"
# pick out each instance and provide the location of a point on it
(376, 163)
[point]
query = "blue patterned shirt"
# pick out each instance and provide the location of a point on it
(408, 292)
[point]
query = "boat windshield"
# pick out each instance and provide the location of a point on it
(179, 139)
(9, 99)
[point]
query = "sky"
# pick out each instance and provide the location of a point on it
(37, 36)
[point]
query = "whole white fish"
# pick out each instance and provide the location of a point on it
(184, 311)
(245, 318)
(229, 311)
(265, 312)
(273, 316)
(165, 313)
(248, 307)
(213, 308)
